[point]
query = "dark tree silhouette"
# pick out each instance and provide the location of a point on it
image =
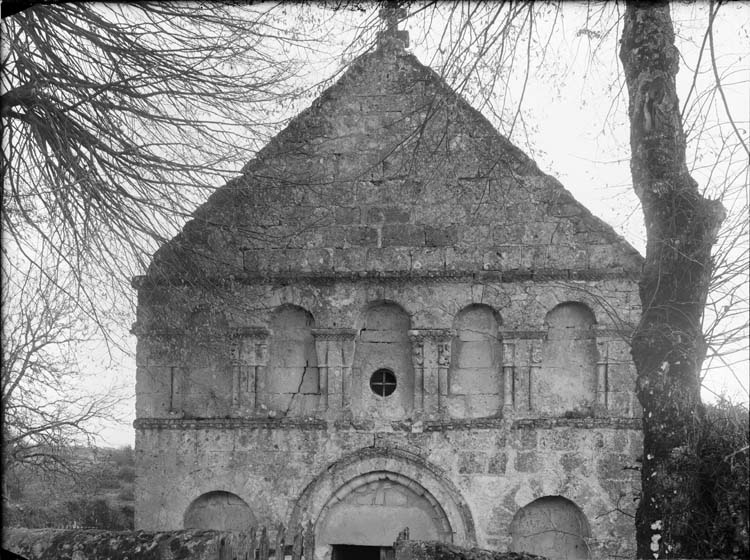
(116, 118)
(668, 346)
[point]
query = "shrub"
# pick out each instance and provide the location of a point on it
(123, 456)
(31, 517)
(98, 514)
(126, 494)
(720, 523)
(126, 474)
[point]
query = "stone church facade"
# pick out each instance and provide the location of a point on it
(392, 318)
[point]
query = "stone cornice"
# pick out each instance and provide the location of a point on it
(228, 423)
(496, 276)
(156, 333)
(419, 335)
(426, 426)
(597, 332)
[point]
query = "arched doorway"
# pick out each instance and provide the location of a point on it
(359, 471)
(363, 518)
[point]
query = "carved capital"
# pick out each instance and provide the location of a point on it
(261, 353)
(536, 352)
(509, 353)
(444, 353)
(235, 351)
(417, 352)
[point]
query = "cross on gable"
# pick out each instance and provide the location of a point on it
(391, 13)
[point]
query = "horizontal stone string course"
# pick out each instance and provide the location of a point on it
(426, 425)
(509, 276)
(347, 334)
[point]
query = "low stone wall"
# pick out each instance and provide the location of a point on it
(430, 550)
(77, 544)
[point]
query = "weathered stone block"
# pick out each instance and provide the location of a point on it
(362, 236)
(619, 403)
(316, 260)
(427, 259)
(572, 463)
(567, 257)
(561, 439)
(403, 236)
(505, 234)
(498, 463)
(472, 462)
(351, 259)
(463, 258)
(472, 236)
(334, 237)
(525, 439)
(527, 462)
(387, 215)
(389, 259)
(436, 236)
(603, 256)
(347, 215)
(617, 466)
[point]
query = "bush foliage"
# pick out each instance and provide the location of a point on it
(721, 524)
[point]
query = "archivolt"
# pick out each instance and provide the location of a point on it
(403, 467)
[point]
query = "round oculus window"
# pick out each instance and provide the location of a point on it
(383, 382)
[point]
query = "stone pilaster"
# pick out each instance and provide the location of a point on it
(249, 359)
(161, 382)
(176, 390)
(335, 350)
(509, 367)
(601, 405)
(321, 351)
(430, 358)
(417, 355)
(444, 363)
(235, 364)
(535, 370)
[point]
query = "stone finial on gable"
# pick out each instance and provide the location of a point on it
(391, 13)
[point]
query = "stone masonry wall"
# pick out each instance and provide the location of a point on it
(498, 469)
(390, 227)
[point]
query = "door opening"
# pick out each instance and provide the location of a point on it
(356, 552)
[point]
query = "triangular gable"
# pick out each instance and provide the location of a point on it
(390, 171)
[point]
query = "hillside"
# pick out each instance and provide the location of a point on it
(95, 492)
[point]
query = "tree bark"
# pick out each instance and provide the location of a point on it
(681, 226)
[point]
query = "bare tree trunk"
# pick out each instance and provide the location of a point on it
(681, 225)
